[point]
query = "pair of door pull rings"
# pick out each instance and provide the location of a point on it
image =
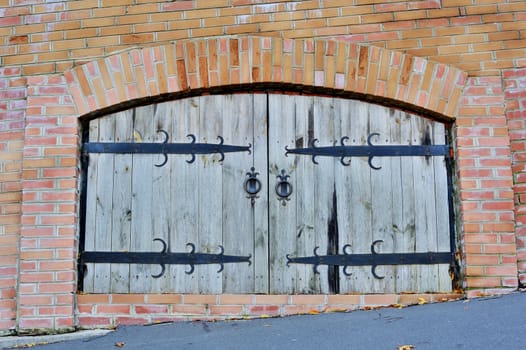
(253, 186)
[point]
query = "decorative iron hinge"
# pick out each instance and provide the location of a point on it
(165, 148)
(374, 259)
(343, 151)
(164, 257)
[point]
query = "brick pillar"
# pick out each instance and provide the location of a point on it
(48, 236)
(515, 93)
(485, 186)
(12, 106)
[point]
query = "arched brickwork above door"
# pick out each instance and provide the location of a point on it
(365, 72)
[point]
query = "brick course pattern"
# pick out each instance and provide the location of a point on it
(454, 60)
(111, 310)
(13, 94)
(515, 93)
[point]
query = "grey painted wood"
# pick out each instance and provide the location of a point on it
(405, 230)
(442, 208)
(343, 182)
(359, 234)
(304, 187)
(237, 211)
(260, 217)
(122, 210)
(185, 194)
(104, 204)
(210, 177)
(324, 203)
(282, 215)
(381, 196)
(91, 207)
(142, 233)
(131, 202)
(161, 198)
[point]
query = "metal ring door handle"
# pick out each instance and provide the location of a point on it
(283, 187)
(252, 185)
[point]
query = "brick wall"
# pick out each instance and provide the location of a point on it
(12, 106)
(479, 36)
(515, 92)
(47, 278)
(109, 310)
(52, 71)
(485, 188)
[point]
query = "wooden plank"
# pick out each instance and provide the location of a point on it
(141, 233)
(442, 208)
(91, 207)
(121, 213)
(260, 212)
(304, 184)
(161, 198)
(204, 202)
(360, 235)
(344, 182)
(381, 197)
(104, 204)
(325, 199)
(210, 193)
(406, 232)
(237, 211)
(282, 216)
(425, 222)
(185, 196)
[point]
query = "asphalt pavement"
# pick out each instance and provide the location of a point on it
(482, 323)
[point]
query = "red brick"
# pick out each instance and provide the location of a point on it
(151, 309)
(128, 321)
(258, 310)
(386, 299)
(94, 321)
(231, 310)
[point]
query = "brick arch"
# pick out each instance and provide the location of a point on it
(193, 66)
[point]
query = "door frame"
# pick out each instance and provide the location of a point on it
(105, 257)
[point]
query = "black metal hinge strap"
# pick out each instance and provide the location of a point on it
(374, 259)
(343, 151)
(165, 148)
(164, 257)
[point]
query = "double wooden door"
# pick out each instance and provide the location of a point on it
(262, 202)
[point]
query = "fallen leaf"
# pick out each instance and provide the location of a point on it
(398, 306)
(120, 344)
(421, 301)
(264, 316)
(314, 312)
(137, 136)
(406, 347)
(337, 309)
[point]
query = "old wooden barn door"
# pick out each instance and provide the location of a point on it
(256, 193)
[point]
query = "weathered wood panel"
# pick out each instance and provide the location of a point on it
(260, 218)
(184, 193)
(130, 201)
(404, 222)
(91, 207)
(390, 204)
(142, 233)
(356, 221)
(122, 205)
(237, 210)
(282, 214)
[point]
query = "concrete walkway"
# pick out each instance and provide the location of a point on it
(485, 323)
